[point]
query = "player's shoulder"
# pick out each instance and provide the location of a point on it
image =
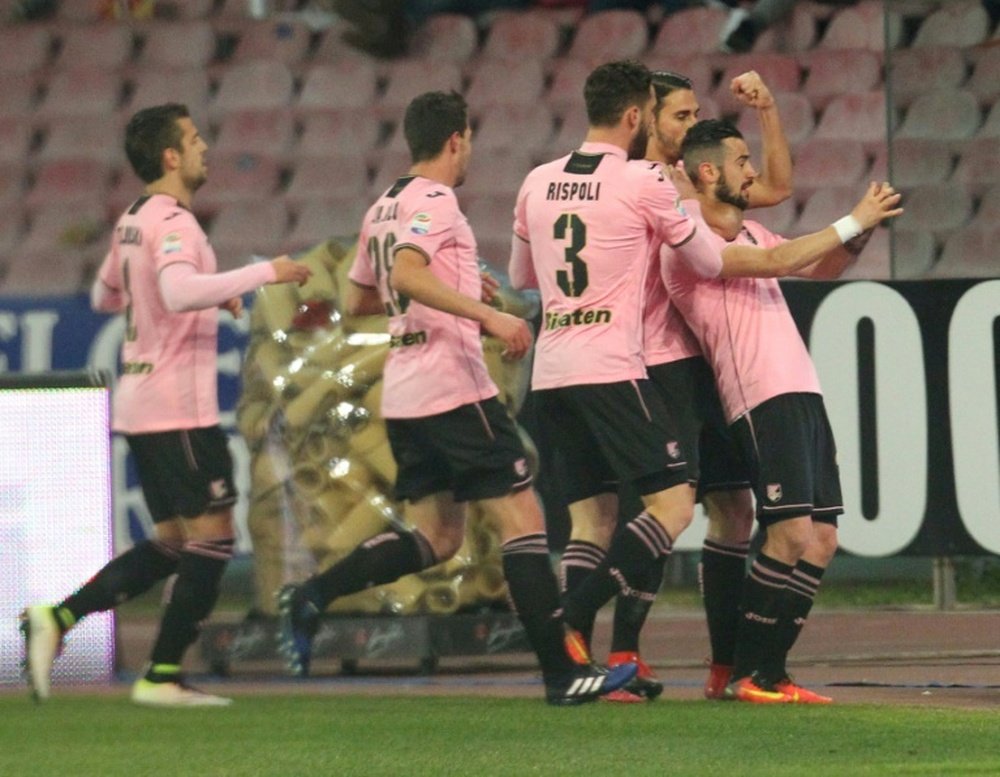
(757, 234)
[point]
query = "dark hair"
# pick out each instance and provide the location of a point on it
(703, 143)
(149, 133)
(665, 82)
(613, 88)
(431, 118)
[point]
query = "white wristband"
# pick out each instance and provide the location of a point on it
(847, 228)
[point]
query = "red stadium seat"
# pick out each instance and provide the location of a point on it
(243, 229)
(502, 82)
(969, 253)
(348, 84)
(509, 128)
(820, 162)
(408, 78)
(346, 133)
(105, 46)
(797, 118)
(86, 137)
(237, 178)
(954, 24)
(177, 45)
(446, 36)
(24, 50)
(984, 82)
(913, 253)
(69, 182)
(565, 95)
(916, 71)
(519, 36)
(607, 35)
(855, 117)
(863, 26)
(16, 139)
(258, 132)
(81, 93)
(939, 208)
(329, 176)
(251, 86)
(945, 114)
(321, 219)
(272, 40)
(825, 206)
(689, 32)
(55, 228)
(978, 167)
(156, 87)
(833, 72)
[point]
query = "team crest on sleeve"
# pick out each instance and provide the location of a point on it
(171, 243)
(421, 224)
(774, 492)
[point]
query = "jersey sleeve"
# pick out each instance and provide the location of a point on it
(764, 237)
(107, 295)
(362, 272)
(178, 238)
(429, 222)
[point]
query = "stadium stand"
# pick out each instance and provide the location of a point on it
(517, 37)
(618, 34)
(446, 37)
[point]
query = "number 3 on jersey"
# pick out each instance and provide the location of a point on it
(573, 281)
(381, 258)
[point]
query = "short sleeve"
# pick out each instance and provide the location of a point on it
(362, 272)
(429, 222)
(659, 204)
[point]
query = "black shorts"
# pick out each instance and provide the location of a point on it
(184, 473)
(608, 433)
(473, 451)
(713, 458)
(793, 458)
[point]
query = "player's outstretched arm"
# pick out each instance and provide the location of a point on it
(774, 184)
(411, 277)
(184, 287)
(362, 300)
(877, 205)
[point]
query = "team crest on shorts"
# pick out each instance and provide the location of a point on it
(218, 489)
(774, 492)
(673, 450)
(521, 468)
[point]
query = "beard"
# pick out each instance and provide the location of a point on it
(723, 193)
(637, 148)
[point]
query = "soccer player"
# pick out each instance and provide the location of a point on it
(584, 229)
(160, 272)
(450, 436)
(770, 394)
(677, 368)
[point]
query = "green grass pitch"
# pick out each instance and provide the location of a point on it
(105, 735)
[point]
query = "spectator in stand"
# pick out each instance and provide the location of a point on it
(744, 26)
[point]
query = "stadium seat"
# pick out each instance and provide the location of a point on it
(607, 35)
(700, 70)
(945, 114)
(16, 139)
(188, 10)
(915, 162)
(12, 221)
(390, 165)
(519, 36)
(916, 71)
(859, 116)
(940, 208)
(969, 253)
(321, 219)
(689, 32)
(81, 93)
(252, 86)
(508, 128)
(988, 212)
(833, 72)
(51, 272)
(348, 84)
(177, 45)
(778, 218)
(492, 219)
(274, 41)
(446, 36)
(820, 162)
(825, 206)
(780, 72)
(258, 132)
(70, 182)
(497, 175)
(959, 24)
(505, 82)
(329, 176)
(979, 165)
(797, 118)
(104, 46)
(408, 78)
(24, 50)
(237, 178)
(913, 253)
(863, 26)
(124, 191)
(984, 82)
(12, 182)
(991, 127)
(333, 48)
(85, 137)
(570, 134)
(795, 33)
(156, 87)
(346, 133)
(243, 229)
(55, 228)
(565, 95)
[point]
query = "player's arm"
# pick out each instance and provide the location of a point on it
(183, 287)
(410, 276)
(363, 300)
(790, 258)
(680, 226)
(108, 294)
(835, 262)
(774, 184)
(521, 268)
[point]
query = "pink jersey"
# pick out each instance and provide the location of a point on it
(590, 220)
(665, 335)
(745, 329)
(168, 376)
(435, 361)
